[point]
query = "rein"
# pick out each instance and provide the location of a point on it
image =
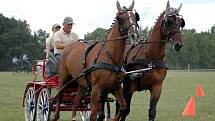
(117, 38)
(121, 29)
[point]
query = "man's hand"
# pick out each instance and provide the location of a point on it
(59, 45)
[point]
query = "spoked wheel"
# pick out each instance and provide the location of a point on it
(43, 105)
(30, 105)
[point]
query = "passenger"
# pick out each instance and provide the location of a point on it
(50, 60)
(15, 60)
(50, 40)
(26, 61)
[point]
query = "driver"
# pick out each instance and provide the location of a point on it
(64, 36)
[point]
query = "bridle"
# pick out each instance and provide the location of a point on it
(165, 37)
(124, 29)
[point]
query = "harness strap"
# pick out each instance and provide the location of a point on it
(98, 53)
(137, 52)
(147, 63)
(110, 56)
(107, 66)
(87, 50)
(117, 38)
(129, 50)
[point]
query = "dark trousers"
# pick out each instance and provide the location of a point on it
(52, 65)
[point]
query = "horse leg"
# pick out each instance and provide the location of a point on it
(118, 94)
(155, 95)
(96, 91)
(101, 115)
(127, 93)
(63, 78)
(81, 94)
(56, 114)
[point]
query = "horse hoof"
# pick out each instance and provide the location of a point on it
(53, 118)
(74, 119)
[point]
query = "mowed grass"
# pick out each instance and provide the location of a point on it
(178, 87)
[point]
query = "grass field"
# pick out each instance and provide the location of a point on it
(177, 89)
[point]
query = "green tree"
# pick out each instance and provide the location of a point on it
(99, 34)
(16, 40)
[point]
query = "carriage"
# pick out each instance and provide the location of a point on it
(40, 94)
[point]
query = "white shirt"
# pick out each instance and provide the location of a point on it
(50, 42)
(64, 38)
(24, 57)
(15, 60)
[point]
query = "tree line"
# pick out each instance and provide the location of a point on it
(16, 39)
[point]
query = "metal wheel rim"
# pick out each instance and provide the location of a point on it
(43, 105)
(30, 105)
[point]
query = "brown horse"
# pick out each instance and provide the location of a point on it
(100, 62)
(150, 55)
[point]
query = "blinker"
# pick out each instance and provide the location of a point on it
(137, 16)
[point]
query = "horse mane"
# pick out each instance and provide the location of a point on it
(159, 21)
(157, 26)
(112, 25)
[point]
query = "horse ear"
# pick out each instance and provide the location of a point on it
(167, 8)
(131, 6)
(179, 8)
(118, 6)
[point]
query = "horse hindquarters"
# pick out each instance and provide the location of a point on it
(70, 65)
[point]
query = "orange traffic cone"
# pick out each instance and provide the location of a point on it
(190, 108)
(199, 91)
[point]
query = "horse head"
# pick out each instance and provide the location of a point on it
(127, 21)
(171, 26)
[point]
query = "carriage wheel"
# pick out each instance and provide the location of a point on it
(43, 105)
(30, 105)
